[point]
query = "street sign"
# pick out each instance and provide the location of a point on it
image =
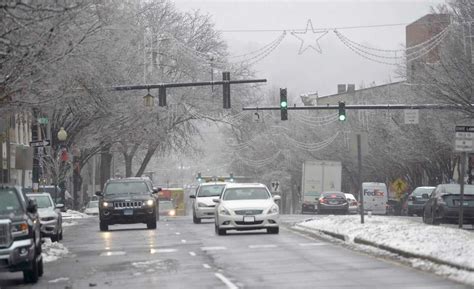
(275, 187)
(43, 120)
(411, 116)
(464, 141)
(40, 143)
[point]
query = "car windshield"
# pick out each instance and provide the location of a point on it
(456, 189)
(42, 201)
(210, 191)
(333, 195)
(165, 205)
(9, 202)
(93, 204)
(119, 188)
(418, 192)
(233, 194)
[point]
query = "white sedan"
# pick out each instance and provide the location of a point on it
(246, 207)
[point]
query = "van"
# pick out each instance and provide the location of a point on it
(375, 198)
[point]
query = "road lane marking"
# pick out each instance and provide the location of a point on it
(183, 241)
(213, 248)
(311, 244)
(206, 266)
(154, 251)
(262, 246)
(178, 233)
(226, 281)
(192, 254)
(62, 279)
(113, 253)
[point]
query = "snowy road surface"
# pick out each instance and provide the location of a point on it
(180, 254)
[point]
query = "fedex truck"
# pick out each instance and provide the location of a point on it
(318, 177)
(375, 198)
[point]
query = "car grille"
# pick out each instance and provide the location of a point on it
(4, 234)
(248, 212)
(248, 223)
(128, 205)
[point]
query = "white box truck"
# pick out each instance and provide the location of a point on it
(375, 198)
(318, 177)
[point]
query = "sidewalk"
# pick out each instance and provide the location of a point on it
(447, 251)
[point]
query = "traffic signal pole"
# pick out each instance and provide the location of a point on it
(364, 106)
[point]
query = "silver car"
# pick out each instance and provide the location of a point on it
(203, 206)
(246, 207)
(50, 217)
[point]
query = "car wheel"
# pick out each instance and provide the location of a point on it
(61, 234)
(196, 220)
(32, 275)
(410, 213)
(151, 225)
(423, 217)
(273, 230)
(55, 238)
(434, 221)
(220, 231)
(103, 226)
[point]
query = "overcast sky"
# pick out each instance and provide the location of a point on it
(313, 71)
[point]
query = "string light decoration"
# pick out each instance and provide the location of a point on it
(316, 46)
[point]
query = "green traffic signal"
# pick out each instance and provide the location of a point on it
(342, 117)
(283, 104)
(342, 111)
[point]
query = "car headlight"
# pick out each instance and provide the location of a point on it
(20, 229)
(202, 205)
(273, 210)
(172, 213)
(105, 204)
(150, 203)
(224, 211)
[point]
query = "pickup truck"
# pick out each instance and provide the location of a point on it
(20, 235)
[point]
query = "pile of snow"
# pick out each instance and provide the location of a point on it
(446, 244)
(71, 214)
(53, 251)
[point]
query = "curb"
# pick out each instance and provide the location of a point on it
(361, 241)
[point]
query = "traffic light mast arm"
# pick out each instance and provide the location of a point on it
(364, 106)
(184, 84)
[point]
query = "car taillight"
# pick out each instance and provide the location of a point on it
(322, 201)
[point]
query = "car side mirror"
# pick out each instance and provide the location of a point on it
(276, 197)
(156, 190)
(32, 206)
(217, 201)
(192, 197)
(425, 196)
(98, 194)
(60, 206)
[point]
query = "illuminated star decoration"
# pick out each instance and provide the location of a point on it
(315, 46)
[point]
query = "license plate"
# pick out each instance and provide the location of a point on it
(466, 204)
(333, 202)
(128, 212)
(249, 219)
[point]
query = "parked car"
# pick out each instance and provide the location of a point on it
(334, 202)
(20, 235)
(245, 206)
(417, 199)
(92, 208)
(443, 205)
(352, 202)
(203, 206)
(56, 195)
(128, 201)
(50, 216)
(167, 208)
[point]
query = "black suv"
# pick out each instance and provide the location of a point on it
(128, 201)
(20, 235)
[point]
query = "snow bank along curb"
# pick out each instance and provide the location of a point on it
(404, 237)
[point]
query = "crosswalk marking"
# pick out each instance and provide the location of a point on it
(155, 251)
(213, 248)
(206, 266)
(192, 254)
(113, 253)
(262, 246)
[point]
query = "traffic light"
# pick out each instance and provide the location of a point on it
(226, 89)
(162, 96)
(283, 104)
(342, 111)
(199, 178)
(231, 177)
